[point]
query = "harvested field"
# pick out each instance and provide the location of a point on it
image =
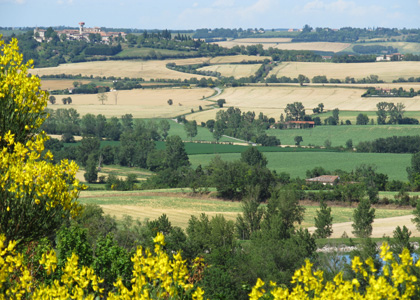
(284, 44)
(237, 71)
(271, 100)
(148, 103)
(152, 69)
(386, 71)
(59, 84)
(132, 69)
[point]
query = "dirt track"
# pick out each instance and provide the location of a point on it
(381, 227)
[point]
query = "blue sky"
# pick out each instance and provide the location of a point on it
(193, 14)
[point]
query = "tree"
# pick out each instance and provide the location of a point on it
(220, 102)
(294, 111)
(363, 218)
(298, 140)
(102, 97)
(252, 215)
(164, 128)
(414, 170)
(349, 144)
(321, 107)
(362, 119)
(381, 113)
(91, 174)
(219, 129)
(36, 196)
(323, 221)
(335, 114)
(302, 79)
(253, 157)
(175, 154)
(64, 100)
(170, 102)
(88, 125)
(191, 128)
(52, 99)
(416, 214)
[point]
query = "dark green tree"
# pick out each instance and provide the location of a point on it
(323, 221)
(362, 119)
(175, 154)
(191, 128)
(253, 157)
(298, 139)
(91, 174)
(363, 217)
(164, 128)
(335, 114)
(294, 111)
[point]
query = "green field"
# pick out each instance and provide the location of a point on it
(144, 51)
(297, 163)
(338, 135)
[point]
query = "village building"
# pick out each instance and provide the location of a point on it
(299, 124)
(81, 34)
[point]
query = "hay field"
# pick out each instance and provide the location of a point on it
(59, 84)
(271, 100)
(132, 69)
(237, 71)
(152, 69)
(386, 71)
(147, 103)
(284, 44)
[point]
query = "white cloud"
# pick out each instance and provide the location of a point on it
(65, 1)
(195, 4)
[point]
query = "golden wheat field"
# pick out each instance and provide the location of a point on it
(153, 69)
(147, 103)
(284, 44)
(386, 71)
(271, 100)
(132, 69)
(237, 71)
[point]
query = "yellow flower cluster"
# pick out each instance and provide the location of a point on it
(21, 99)
(155, 276)
(26, 176)
(30, 184)
(397, 281)
(16, 281)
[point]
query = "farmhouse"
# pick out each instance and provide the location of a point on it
(324, 179)
(299, 124)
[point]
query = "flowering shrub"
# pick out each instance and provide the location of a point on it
(35, 194)
(155, 276)
(397, 280)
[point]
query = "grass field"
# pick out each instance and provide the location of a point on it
(386, 71)
(179, 207)
(338, 135)
(297, 163)
(272, 100)
(144, 51)
(237, 71)
(141, 103)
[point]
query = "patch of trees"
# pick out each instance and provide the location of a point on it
(374, 49)
(394, 112)
(343, 35)
(246, 126)
(345, 58)
(373, 92)
(394, 144)
(90, 88)
(103, 50)
(410, 79)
